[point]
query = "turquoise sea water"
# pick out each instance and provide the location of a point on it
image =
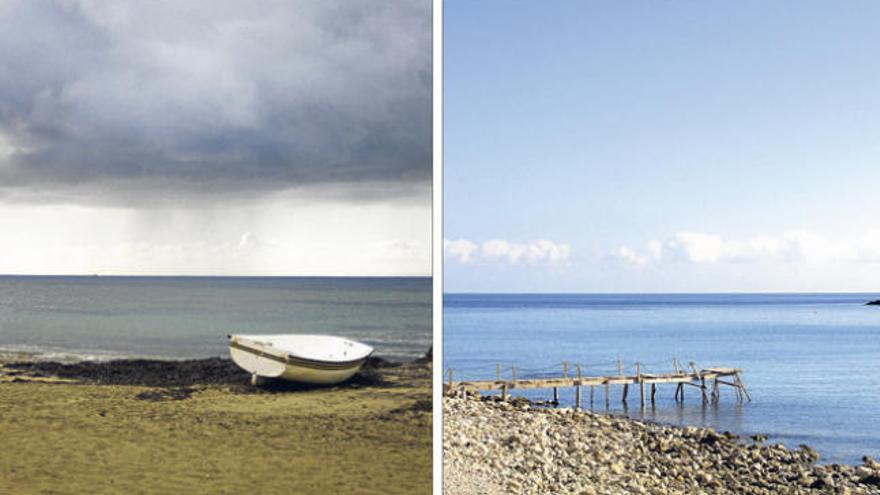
(183, 317)
(811, 361)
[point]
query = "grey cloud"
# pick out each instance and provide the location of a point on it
(214, 97)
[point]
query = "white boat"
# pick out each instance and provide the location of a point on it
(317, 359)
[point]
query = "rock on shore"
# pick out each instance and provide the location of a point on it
(497, 448)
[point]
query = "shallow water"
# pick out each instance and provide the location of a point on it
(811, 361)
(188, 317)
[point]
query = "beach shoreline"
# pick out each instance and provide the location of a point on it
(494, 447)
(196, 426)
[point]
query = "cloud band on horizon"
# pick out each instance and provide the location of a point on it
(793, 245)
(537, 252)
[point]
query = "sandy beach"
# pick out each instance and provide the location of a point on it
(197, 427)
(493, 447)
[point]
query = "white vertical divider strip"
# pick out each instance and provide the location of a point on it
(437, 243)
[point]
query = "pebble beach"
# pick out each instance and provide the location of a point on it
(493, 447)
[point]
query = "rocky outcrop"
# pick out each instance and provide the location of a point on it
(495, 447)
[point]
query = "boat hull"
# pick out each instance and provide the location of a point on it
(268, 364)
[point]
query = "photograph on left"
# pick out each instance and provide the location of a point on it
(215, 267)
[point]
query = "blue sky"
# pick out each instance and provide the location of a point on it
(661, 146)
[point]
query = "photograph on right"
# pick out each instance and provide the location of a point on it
(661, 248)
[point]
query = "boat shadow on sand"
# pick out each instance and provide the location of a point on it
(177, 380)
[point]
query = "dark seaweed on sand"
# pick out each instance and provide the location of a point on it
(210, 371)
(144, 372)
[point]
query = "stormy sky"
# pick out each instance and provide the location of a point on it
(215, 137)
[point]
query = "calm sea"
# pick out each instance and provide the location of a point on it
(184, 317)
(811, 361)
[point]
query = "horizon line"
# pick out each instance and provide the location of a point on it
(117, 275)
(659, 293)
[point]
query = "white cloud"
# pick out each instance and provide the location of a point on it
(543, 250)
(655, 249)
(793, 245)
(460, 249)
(500, 249)
(629, 255)
(540, 251)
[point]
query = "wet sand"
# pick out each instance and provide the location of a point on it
(197, 427)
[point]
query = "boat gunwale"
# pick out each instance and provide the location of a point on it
(286, 358)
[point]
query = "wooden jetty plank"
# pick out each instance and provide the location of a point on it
(694, 378)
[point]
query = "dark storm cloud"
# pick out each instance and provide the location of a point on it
(214, 96)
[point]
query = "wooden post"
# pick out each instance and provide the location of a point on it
(743, 387)
(498, 372)
(565, 369)
(449, 373)
(577, 396)
(555, 395)
(699, 375)
(625, 392)
(715, 394)
(619, 367)
(653, 392)
(592, 390)
(641, 385)
(504, 392)
(578, 368)
(513, 374)
(607, 399)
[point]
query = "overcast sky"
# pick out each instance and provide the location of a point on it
(646, 146)
(215, 137)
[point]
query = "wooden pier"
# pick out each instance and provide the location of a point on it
(701, 379)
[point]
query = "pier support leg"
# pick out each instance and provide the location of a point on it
(703, 390)
(716, 395)
(592, 390)
(625, 391)
(555, 396)
(653, 392)
(607, 398)
(642, 394)
(577, 397)
(504, 392)
(743, 387)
